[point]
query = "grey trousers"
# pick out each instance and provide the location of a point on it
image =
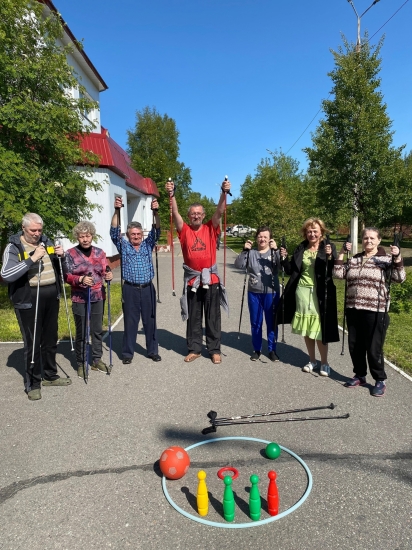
(96, 329)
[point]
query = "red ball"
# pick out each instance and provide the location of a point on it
(174, 462)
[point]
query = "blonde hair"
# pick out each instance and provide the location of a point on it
(84, 227)
(310, 222)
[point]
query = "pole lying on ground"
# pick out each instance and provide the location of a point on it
(86, 347)
(345, 296)
(157, 258)
(283, 245)
(36, 311)
(58, 242)
(257, 418)
(243, 293)
(109, 318)
(212, 415)
(171, 195)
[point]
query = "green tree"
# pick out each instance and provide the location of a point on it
(355, 167)
(277, 196)
(40, 123)
(153, 146)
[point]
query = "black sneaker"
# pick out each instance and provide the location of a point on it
(272, 356)
(379, 389)
(355, 382)
(126, 360)
(255, 356)
(155, 357)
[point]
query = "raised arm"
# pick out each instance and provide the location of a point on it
(117, 206)
(177, 218)
(217, 216)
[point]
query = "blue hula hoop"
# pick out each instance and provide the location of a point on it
(253, 523)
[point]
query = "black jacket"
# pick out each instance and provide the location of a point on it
(328, 310)
(16, 265)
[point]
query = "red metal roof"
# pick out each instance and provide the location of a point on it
(115, 158)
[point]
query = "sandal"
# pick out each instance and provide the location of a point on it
(191, 357)
(216, 359)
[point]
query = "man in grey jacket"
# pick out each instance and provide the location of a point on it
(31, 269)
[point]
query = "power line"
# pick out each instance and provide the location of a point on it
(304, 131)
(388, 20)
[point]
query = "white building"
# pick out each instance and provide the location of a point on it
(114, 172)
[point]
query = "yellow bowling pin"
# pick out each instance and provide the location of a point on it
(202, 495)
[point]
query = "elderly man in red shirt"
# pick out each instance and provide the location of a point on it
(203, 290)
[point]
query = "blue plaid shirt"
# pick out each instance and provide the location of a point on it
(137, 264)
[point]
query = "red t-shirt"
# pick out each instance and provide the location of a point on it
(199, 247)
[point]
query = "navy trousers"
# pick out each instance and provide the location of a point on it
(262, 304)
(139, 303)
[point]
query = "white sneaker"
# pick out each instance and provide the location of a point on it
(324, 370)
(309, 367)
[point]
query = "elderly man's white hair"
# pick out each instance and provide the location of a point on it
(30, 218)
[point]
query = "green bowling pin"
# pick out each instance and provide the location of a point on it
(228, 500)
(254, 499)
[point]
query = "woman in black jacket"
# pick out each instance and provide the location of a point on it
(310, 295)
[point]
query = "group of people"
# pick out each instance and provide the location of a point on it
(34, 268)
(308, 302)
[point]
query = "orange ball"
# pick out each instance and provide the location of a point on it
(174, 462)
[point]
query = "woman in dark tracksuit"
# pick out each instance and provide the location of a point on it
(263, 288)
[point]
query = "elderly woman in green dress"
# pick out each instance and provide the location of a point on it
(310, 295)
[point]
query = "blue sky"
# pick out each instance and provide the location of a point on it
(238, 76)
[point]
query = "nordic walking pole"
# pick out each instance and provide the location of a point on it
(37, 309)
(120, 248)
(57, 242)
(326, 288)
(171, 195)
(86, 347)
(283, 245)
(224, 234)
(243, 293)
(345, 296)
(212, 415)
(157, 258)
(109, 318)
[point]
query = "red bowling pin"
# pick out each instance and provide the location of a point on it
(273, 494)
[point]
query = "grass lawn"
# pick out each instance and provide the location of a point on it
(9, 328)
(398, 344)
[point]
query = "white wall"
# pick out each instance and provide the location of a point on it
(92, 90)
(137, 208)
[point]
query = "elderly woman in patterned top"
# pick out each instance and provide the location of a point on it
(368, 276)
(86, 267)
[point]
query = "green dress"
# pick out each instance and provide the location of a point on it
(306, 320)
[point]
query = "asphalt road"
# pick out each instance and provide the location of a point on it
(80, 471)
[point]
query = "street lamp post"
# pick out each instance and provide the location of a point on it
(354, 219)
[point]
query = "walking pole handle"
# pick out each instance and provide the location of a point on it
(227, 192)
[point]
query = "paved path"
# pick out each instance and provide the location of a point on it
(79, 467)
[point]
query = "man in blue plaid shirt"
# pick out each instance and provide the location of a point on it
(139, 294)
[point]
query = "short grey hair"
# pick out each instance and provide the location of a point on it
(196, 204)
(134, 225)
(84, 227)
(30, 218)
